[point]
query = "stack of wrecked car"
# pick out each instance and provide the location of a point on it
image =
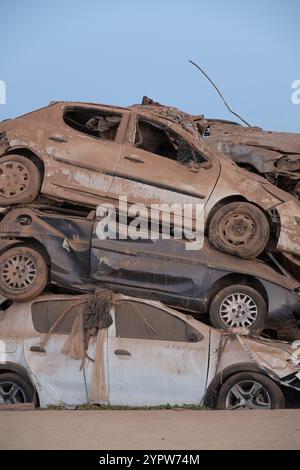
(60, 163)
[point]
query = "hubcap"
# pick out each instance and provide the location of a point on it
(238, 310)
(11, 393)
(237, 229)
(14, 179)
(248, 394)
(18, 272)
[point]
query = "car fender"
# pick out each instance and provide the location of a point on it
(211, 394)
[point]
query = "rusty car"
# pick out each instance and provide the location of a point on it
(86, 153)
(141, 354)
(271, 154)
(41, 246)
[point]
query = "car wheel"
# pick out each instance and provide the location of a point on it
(14, 389)
(20, 180)
(250, 390)
(23, 273)
(238, 306)
(239, 228)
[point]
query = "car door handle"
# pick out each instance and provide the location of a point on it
(58, 138)
(38, 349)
(134, 158)
(122, 352)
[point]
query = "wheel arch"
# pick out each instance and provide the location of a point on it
(32, 243)
(236, 198)
(27, 153)
(212, 391)
(236, 278)
(21, 371)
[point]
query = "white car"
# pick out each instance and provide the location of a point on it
(149, 355)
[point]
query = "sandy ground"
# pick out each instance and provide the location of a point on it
(168, 429)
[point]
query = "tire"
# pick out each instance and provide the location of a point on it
(23, 273)
(238, 306)
(239, 228)
(15, 388)
(235, 393)
(20, 180)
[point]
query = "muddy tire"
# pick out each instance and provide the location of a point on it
(14, 389)
(250, 390)
(20, 180)
(23, 273)
(238, 306)
(239, 228)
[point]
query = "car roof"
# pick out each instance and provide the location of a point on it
(83, 103)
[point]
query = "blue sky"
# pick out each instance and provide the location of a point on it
(116, 51)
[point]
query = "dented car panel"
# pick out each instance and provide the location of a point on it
(155, 269)
(276, 155)
(192, 365)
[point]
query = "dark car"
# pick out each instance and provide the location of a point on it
(39, 246)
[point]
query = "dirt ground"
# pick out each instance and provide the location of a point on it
(168, 429)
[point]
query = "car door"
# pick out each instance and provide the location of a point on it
(156, 268)
(155, 357)
(60, 376)
(150, 172)
(85, 147)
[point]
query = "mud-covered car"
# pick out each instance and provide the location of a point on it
(141, 354)
(39, 246)
(274, 155)
(89, 153)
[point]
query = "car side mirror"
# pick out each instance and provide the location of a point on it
(194, 337)
(91, 215)
(205, 165)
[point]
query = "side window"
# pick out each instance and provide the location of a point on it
(163, 142)
(45, 313)
(94, 122)
(143, 321)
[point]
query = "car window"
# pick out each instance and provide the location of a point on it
(94, 122)
(163, 142)
(144, 321)
(45, 313)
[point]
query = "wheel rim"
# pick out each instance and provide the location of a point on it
(18, 272)
(248, 394)
(237, 229)
(14, 179)
(10, 392)
(238, 310)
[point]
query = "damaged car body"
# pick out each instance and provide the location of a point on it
(89, 154)
(274, 155)
(40, 246)
(70, 350)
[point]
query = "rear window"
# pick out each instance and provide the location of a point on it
(45, 313)
(94, 122)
